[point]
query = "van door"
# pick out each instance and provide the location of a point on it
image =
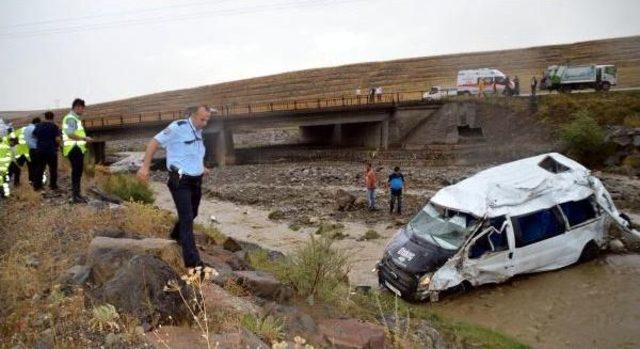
(586, 223)
(489, 257)
(540, 240)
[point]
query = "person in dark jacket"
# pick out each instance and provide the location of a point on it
(396, 184)
(48, 138)
(534, 85)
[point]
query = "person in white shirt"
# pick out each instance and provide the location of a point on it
(32, 142)
(379, 93)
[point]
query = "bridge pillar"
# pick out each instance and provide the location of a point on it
(384, 136)
(98, 151)
(336, 137)
(219, 148)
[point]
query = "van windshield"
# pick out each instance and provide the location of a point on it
(443, 227)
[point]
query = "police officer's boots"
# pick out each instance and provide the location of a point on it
(77, 198)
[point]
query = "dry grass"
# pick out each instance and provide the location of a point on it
(146, 220)
(40, 241)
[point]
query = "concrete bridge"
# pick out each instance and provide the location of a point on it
(344, 121)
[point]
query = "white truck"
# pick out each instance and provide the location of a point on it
(493, 80)
(565, 78)
(437, 93)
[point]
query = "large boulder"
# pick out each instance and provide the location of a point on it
(77, 275)
(217, 255)
(217, 298)
(107, 255)
(296, 321)
(263, 285)
(138, 288)
(129, 164)
(352, 334)
(344, 200)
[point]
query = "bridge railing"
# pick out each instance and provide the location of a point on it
(319, 103)
(97, 122)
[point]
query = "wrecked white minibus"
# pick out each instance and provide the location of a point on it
(535, 214)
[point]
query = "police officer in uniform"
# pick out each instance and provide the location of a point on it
(182, 140)
(74, 146)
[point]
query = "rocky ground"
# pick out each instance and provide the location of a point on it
(307, 190)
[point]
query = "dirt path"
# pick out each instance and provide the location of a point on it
(254, 226)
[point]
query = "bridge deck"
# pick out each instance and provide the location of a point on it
(305, 106)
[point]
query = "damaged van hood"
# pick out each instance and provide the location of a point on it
(417, 257)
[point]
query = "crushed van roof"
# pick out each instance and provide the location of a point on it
(518, 187)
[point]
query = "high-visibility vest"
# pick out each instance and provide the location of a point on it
(22, 148)
(68, 143)
(5, 160)
(5, 154)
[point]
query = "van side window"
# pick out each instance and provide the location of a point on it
(491, 242)
(538, 226)
(578, 211)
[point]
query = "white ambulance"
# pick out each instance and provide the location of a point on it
(494, 80)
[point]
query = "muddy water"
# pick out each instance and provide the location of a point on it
(592, 305)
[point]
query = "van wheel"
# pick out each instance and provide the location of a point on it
(589, 252)
(606, 86)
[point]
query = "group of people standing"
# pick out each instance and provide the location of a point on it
(37, 145)
(395, 183)
(374, 94)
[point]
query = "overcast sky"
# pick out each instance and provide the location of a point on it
(54, 50)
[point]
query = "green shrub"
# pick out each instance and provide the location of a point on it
(584, 139)
(332, 231)
(632, 121)
(608, 108)
(212, 234)
(315, 270)
(275, 215)
(268, 328)
(370, 235)
(295, 226)
(129, 188)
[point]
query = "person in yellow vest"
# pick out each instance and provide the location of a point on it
(20, 152)
(74, 146)
(5, 160)
(14, 170)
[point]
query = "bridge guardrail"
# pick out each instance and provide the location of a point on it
(100, 121)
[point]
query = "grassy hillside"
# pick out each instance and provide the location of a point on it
(399, 75)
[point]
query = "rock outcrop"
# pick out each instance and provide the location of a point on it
(107, 255)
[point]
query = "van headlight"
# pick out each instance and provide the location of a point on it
(425, 280)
